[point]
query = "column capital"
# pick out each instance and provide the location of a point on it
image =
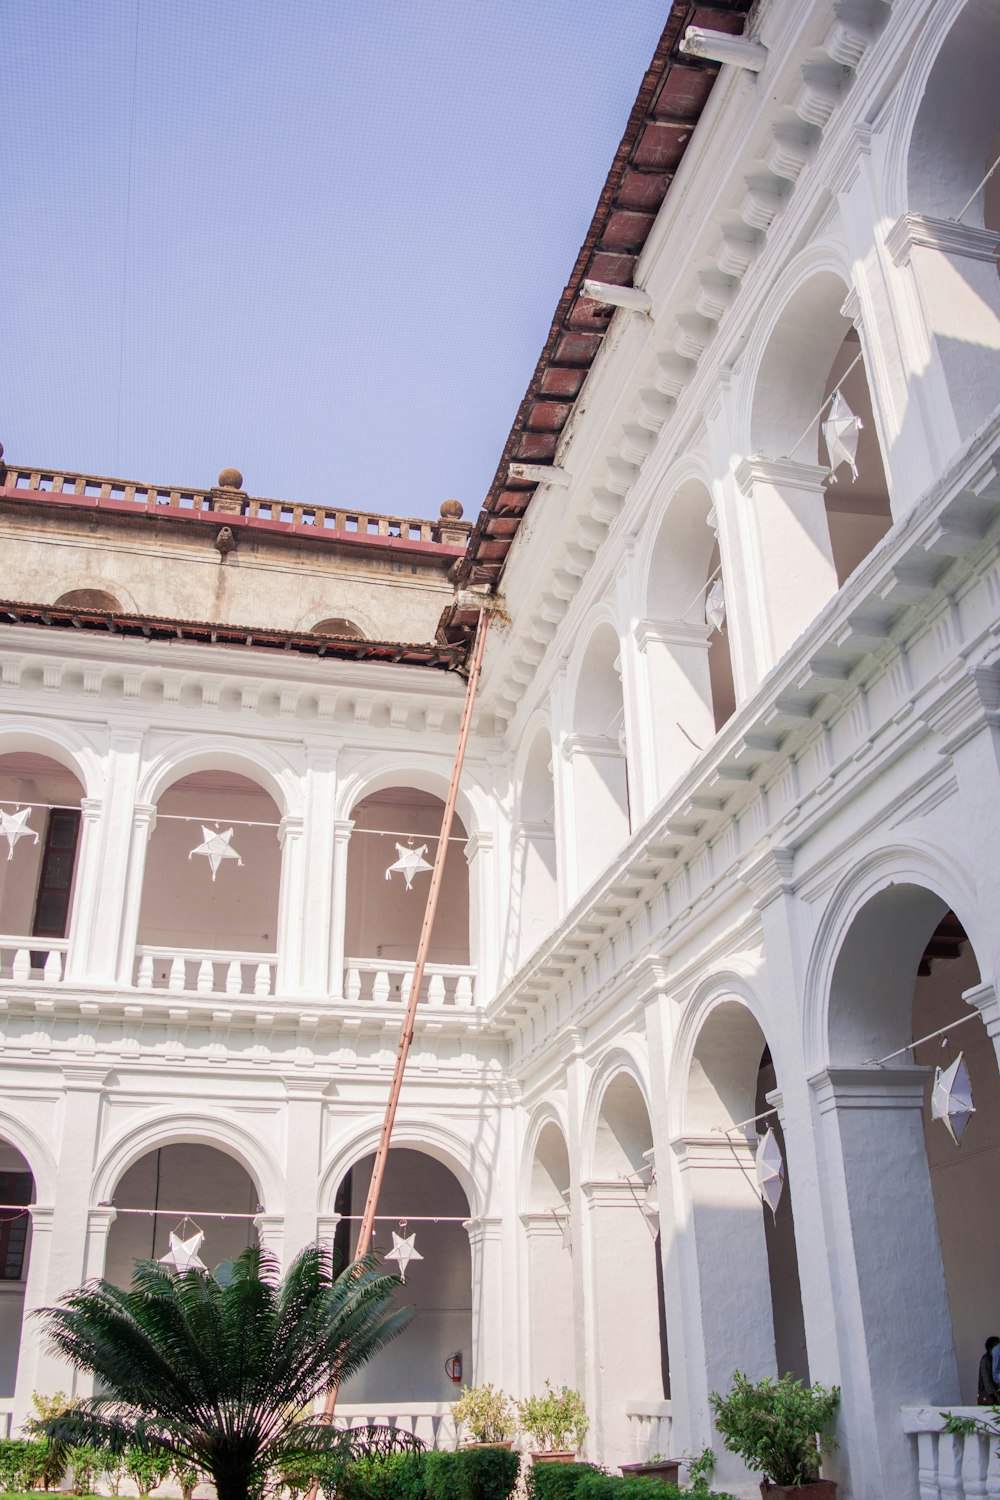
(946, 235)
(783, 473)
(326, 1225)
(869, 1087)
(85, 1078)
(290, 827)
(768, 874)
(90, 808)
(479, 842)
(144, 816)
(342, 830)
(984, 998)
(971, 704)
(308, 1087)
(672, 633)
(100, 1218)
(552, 1225)
(483, 1229)
(614, 1193)
(42, 1217)
(716, 1153)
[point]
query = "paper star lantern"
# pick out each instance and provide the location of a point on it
(410, 861)
(13, 826)
(216, 848)
(715, 605)
(183, 1254)
(951, 1098)
(770, 1170)
(840, 432)
(402, 1252)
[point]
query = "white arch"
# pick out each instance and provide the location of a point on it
(61, 742)
(424, 773)
(103, 585)
(544, 1115)
(250, 758)
(599, 621)
(461, 1157)
(36, 1152)
(537, 726)
(691, 469)
(624, 1059)
(738, 982)
(222, 1132)
(915, 862)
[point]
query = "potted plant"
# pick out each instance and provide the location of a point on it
(554, 1420)
(656, 1466)
(779, 1429)
(487, 1413)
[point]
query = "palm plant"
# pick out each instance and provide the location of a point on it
(219, 1371)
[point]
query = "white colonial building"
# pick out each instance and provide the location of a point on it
(722, 854)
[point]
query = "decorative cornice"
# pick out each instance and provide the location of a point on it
(946, 235)
(769, 875)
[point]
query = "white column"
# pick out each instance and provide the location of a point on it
(115, 911)
(99, 1222)
(794, 573)
(303, 1158)
(86, 886)
(551, 1353)
(36, 1289)
(288, 980)
(536, 887)
(319, 888)
(271, 1233)
(341, 840)
(597, 775)
(892, 1302)
(488, 1301)
(676, 718)
(984, 998)
(143, 824)
(484, 924)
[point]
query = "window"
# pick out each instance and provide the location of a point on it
(15, 1187)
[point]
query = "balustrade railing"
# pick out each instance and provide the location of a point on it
(952, 1467)
(430, 1421)
(651, 1428)
(195, 971)
(98, 489)
(375, 981)
(33, 960)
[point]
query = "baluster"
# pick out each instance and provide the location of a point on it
(206, 977)
(380, 989)
(178, 974)
(463, 991)
(435, 990)
(352, 986)
(52, 972)
(405, 985)
(145, 980)
(975, 1457)
(993, 1472)
(22, 966)
(234, 977)
(262, 979)
(950, 1466)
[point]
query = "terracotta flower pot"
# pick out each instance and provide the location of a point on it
(820, 1489)
(507, 1443)
(666, 1469)
(553, 1456)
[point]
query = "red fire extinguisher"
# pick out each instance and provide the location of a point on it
(453, 1368)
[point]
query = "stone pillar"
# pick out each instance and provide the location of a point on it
(488, 1303)
(678, 719)
(319, 883)
(271, 1233)
(121, 854)
(303, 1157)
(789, 572)
(885, 1256)
(984, 998)
(99, 1222)
(536, 887)
(288, 979)
(484, 920)
(36, 1294)
(597, 775)
(143, 824)
(341, 840)
(86, 891)
(625, 1353)
(549, 1324)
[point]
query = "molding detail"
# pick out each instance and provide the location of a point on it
(946, 235)
(671, 633)
(783, 473)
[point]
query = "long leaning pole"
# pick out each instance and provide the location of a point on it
(423, 947)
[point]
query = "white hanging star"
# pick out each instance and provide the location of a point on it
(410, 861)
(216, 848)
(715, 605)
(951, 1098)
(13, 827)
(770, 1170)
(840, 432)
(183, 1254)
(403, 1252)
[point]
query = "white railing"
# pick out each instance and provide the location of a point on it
(33, 960)
(650, 1428)
(952, 1468)
(197, 972)
(431, 1421)
(374, 981)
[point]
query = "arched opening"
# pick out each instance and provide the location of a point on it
(536, 906)
(901, 973)
(550, 1263)
(631, 1355)
(209, 914)
(340, 627)
(685, 641)
(178, 1190)
(17, 1187)
(393, 841)
(953, 144)
(90, 599)
(857, 510)
(745, 1256)
(39, 844)
(597, 754)
(420, 1190)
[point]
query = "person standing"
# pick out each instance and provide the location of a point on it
(989, 1370)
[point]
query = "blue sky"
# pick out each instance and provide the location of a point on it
(318, 240)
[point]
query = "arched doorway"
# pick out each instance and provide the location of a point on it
(598, 761)
(38, 880)
(551, 1327)
(17, 1188)
(422, 1191)
(202, 929)
(174, 1182)
(384, 914)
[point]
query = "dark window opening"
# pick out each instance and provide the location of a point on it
(15, 1187)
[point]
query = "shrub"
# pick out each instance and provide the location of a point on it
(113, 1470)
(555, 1418)
(21, 1463)
(146, 1468)
(556, 1481)
(54, 1451)
(471, 1474)
(600, 1486)
(778, 1427)
(486, 1412)
(382, 1476)
(187, 1476)
(84, 1463)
